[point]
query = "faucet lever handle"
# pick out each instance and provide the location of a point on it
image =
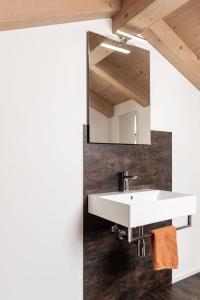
(125, 173)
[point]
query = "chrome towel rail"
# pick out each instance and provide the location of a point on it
(122, 234)
(140, 239)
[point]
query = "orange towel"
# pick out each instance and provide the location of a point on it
(164, 248)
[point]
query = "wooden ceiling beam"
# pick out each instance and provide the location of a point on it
(109, 72)
(101, 105)
(136, 15)
(172, 47)
(185, 22)
(22, 13)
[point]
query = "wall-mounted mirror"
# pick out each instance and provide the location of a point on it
(119, 92)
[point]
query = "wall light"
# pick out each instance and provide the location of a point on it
(115, 48)
(130, 36)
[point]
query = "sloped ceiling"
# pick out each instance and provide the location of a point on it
(172, 27)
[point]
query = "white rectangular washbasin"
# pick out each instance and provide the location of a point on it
(142, 207)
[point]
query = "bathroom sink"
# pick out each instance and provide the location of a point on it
(137, 208)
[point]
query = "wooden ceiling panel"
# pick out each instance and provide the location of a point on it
(106, 90)
(136, 65)
(121, 82)
(94, 40)
(185, 22)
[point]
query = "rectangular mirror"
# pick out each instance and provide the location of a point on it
(119, 92)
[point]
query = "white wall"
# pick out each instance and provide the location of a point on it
(99, 127)
(42, 109)
(176, 108)
(143, 122)
(106, 130)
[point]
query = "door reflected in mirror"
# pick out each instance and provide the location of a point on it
(119, 92)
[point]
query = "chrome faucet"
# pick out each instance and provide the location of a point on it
(125, 180)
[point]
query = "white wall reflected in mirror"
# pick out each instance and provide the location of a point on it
(129, 125)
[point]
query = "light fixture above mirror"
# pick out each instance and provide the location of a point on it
(115, 48)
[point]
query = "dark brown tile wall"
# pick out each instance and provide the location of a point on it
(112, 270)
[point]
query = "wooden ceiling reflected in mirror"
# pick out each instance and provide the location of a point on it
(119, 89)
